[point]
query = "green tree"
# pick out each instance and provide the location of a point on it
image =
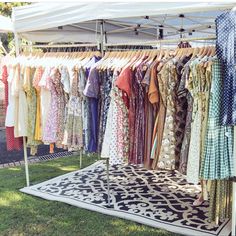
(6, 10)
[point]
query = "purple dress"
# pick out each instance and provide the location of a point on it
(92, 92)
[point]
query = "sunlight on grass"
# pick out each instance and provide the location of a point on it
(8, 198)
(69, 168)
(23, 215)
(14, 168)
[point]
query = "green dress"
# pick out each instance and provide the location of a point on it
(32, 109)
(217, 159)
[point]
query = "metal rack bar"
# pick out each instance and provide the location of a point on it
(212, 37)
(59, 45)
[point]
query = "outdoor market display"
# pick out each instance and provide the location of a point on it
(167, 111)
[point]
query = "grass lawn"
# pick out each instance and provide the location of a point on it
(25, 215)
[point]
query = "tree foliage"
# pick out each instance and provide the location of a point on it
(6, 7)
(6, 10)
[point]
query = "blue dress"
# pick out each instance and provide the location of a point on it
(91, 91)
(225, 50)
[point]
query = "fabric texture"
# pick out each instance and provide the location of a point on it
(225, 49)
(218, 147)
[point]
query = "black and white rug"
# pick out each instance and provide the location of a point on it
(159, 199)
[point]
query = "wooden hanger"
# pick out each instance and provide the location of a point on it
(178, 53)
(195, 52)
(105, 60)
(213, 51)
(189, 51)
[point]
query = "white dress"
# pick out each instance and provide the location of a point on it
(10, 120)
(109, 145)
(21, 122)
(45, 96)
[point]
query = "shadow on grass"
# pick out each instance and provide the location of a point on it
(22, 214)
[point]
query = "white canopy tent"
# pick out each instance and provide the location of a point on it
(112, 23)
(121, 22)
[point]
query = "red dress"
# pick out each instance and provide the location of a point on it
(12, 142)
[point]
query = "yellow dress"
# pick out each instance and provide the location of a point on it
(38, 126)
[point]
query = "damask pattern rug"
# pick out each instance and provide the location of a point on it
(161, 199)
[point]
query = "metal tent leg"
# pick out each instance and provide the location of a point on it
(234, 211)
(108, 183)
(26, 163)
(80, 158)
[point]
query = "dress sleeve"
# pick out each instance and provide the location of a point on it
(153, 92)
(123, 81)
(92, 85)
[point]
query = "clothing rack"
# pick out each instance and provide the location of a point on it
(64, 47)
(103, 46)
(59, 45)
(159, 42)
(17, 49)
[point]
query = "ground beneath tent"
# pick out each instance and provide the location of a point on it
(13, 156)
(159, 199)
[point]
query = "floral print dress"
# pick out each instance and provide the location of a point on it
(50, 130)
(168, 82)
(74, 121)
(32, 109)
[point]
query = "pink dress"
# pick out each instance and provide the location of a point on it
(50, 129)
(12, 142)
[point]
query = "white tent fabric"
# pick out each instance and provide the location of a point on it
(42, 22)
(5, 24)
(48, 15)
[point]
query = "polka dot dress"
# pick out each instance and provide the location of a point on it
(225, 49)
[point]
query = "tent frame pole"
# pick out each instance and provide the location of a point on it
(102, 37)
(156, 42)
(59, 45)
(17, 47)
(234, 210)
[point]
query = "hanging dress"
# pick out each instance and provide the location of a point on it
(151, 104)
(218, 146)
(21, 107)
(122, 130)
(45, 97)
(200, 93)
(168, 143)
(32, 108)
(115, 143)
(15, 95)
(62, 100)
(91, 91)
(225, 50)
(65, 81)
(181, 110)
(160, 118)
(137, 100)
(11, 141)
(74, 121)
(105, 88)
(182, 91)
(50, 129)
(38, 125)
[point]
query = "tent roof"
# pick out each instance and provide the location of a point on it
(5, 24)
(42, 22)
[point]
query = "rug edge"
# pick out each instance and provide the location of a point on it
(120, 214)
(97, 163)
